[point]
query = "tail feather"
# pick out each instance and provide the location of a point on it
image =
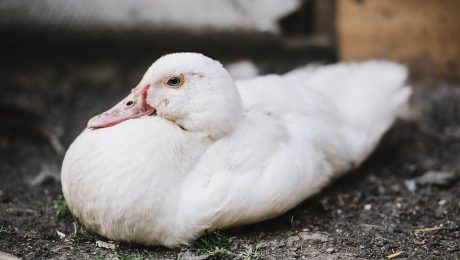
(368, 95)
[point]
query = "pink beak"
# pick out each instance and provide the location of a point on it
(132, 106)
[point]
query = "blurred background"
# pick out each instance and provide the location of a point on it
(62, 62)
(58, 56)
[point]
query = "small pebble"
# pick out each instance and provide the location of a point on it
(410, 185)
(60, 234)
(436, 178)
(330, 250)
(106, 245)
(367, 207)
(442, 202)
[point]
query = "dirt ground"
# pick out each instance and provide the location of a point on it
(403, 202)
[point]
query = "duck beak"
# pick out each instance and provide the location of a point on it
(132, 106)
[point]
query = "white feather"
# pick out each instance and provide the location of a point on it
(221, 153)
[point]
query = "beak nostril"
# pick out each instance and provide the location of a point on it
(129, 103)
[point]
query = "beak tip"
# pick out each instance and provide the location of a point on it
(92, 123)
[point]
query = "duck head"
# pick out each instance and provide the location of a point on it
(189, 89)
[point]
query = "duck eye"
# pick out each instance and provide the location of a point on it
(175, 81)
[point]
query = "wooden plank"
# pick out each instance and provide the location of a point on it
(425, 34)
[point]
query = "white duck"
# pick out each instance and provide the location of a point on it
(205, 152)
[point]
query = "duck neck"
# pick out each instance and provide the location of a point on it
(216, 121)
(216, 128)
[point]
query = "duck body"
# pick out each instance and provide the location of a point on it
(154, 180)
